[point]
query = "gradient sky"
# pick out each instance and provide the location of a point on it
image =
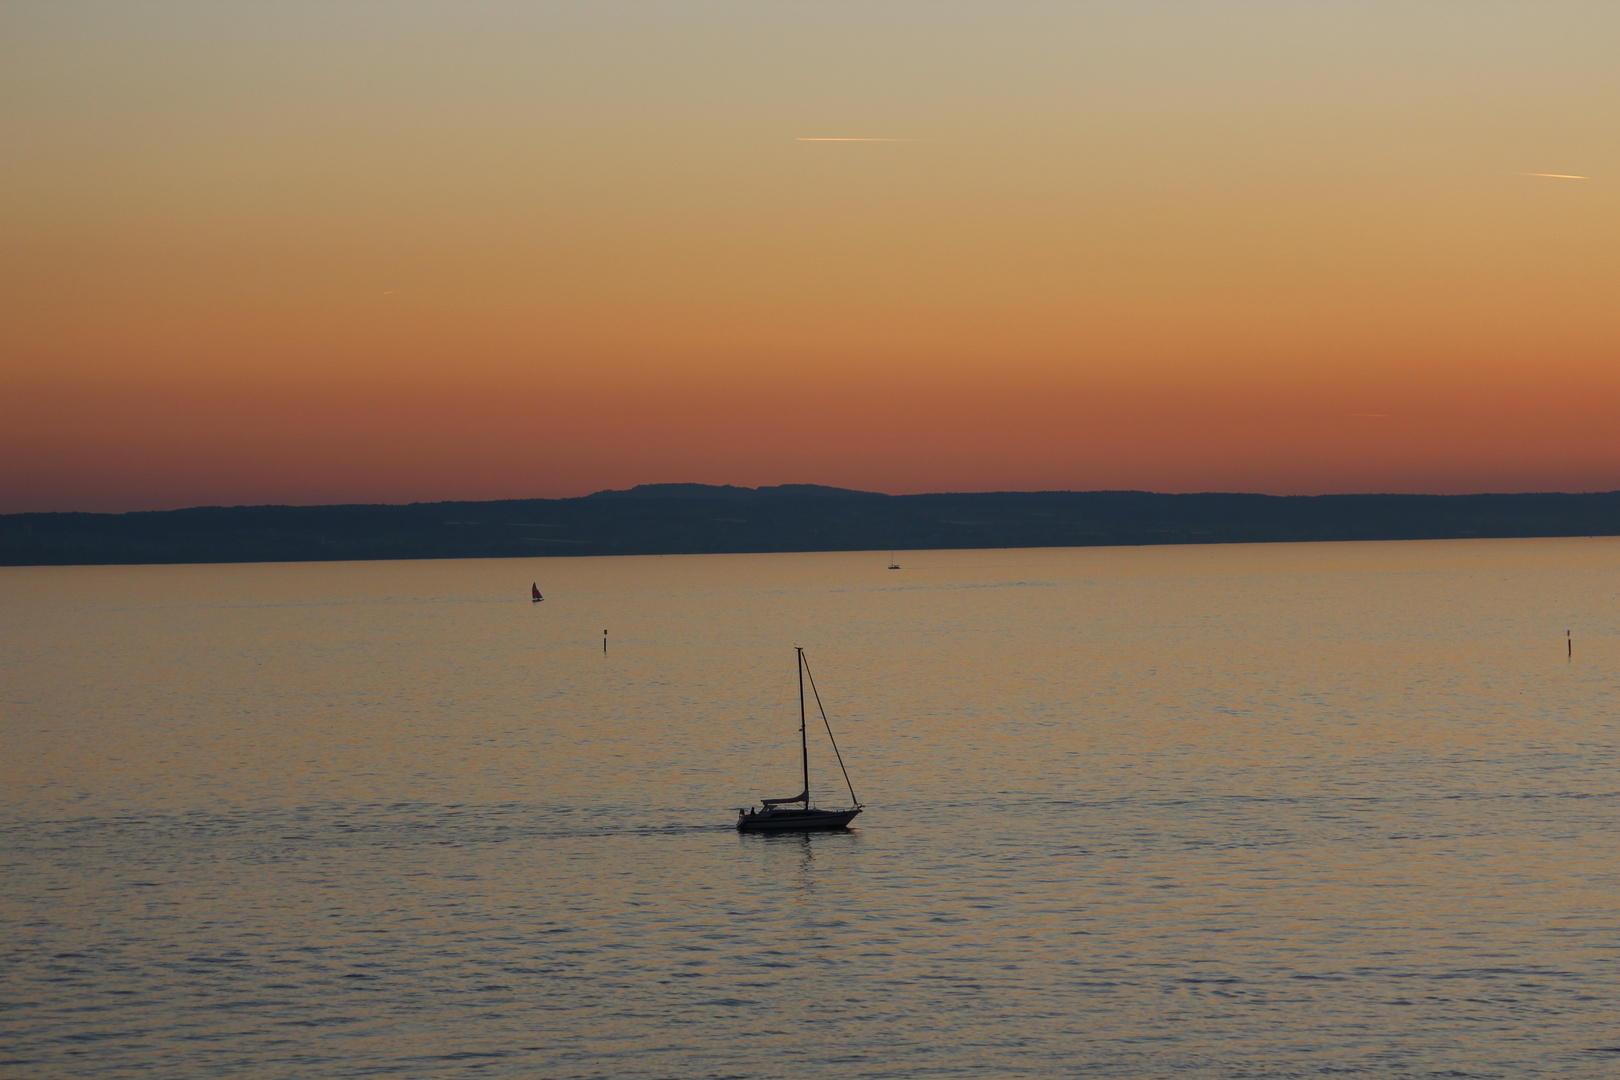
(388, 252)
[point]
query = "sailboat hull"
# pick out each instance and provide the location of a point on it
(779, 820)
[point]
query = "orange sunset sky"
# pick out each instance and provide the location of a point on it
(389, 252)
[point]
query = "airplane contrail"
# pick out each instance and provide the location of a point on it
(1555, 176)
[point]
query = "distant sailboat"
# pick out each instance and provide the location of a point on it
(892, 564)
(534, 588)
(774, 815)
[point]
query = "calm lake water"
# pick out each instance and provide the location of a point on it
(1252, 811)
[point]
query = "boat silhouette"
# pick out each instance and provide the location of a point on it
(779, 815)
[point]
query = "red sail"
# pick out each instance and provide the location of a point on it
(535, 590)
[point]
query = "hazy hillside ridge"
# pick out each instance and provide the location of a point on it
(668, 519)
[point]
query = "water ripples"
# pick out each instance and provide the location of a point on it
(1240, 812)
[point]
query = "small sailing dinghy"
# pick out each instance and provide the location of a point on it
(534, 590)
(892, 564)
(780, 815)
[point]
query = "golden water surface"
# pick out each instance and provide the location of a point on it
(1259, 811)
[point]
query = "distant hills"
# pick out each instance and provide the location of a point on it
(671, 519)
(726, 491)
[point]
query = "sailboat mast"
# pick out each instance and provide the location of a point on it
(804, 744)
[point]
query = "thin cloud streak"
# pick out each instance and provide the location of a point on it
(1555, 176)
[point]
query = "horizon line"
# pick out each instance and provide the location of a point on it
(824, 487)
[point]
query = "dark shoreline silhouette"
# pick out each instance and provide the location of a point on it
(681, 519)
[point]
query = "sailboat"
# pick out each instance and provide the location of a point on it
(778, 815)
(892, 564)
(534, 590)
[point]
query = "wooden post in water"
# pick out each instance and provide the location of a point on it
(1569, 646)
(604, 641)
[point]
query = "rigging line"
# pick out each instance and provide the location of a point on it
(823, 710)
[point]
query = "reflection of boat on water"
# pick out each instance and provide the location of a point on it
(778, 815)
(534, 591)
